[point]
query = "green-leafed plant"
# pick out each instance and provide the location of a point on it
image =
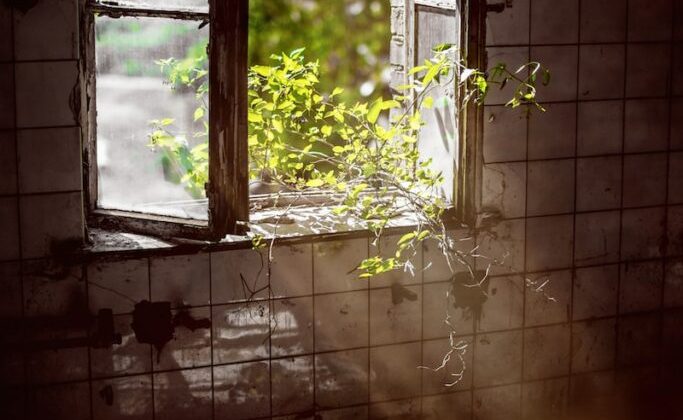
(363, 155)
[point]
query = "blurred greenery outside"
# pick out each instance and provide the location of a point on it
(350, 38)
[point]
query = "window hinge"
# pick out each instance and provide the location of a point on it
(498, 7)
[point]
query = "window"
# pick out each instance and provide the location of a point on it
(132, 48)
(150, 80)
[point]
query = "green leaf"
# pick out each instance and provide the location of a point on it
(375, 109)
(337, 91)
(313, 183)
(199, 113)
(264, 71)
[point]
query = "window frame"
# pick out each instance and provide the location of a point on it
(227, 190)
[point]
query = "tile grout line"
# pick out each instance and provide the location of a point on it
(570, 364)
(211, 349)
(665, 250)
(621, 199)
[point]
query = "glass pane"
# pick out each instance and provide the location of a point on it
(194, 5)
(152, 116)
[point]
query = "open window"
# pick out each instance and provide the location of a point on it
(166, 94)
(166, 71)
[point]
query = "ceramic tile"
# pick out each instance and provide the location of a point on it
(675, 177)
(8, 163)
(498, 403)
(642, 233)
(183, 394)
(552, 134)
(341, 378)
(677, 69)
(341, 321)
(56, 21)
(57, 365)
(408, 408)
(394, 371)
(49, 160)
(505, 132)
(504, 188)
(549, 242)
(510, 27)
(6, 47)
(550, 187)
(597, 238)
(237, 398)
(447, 406)
(292, 384)
(387, 248)
(503, 304)
(603, 21)
(673, 284)
(676, 125)
(647, 70)
(497, 358)
(593, 345)
(10, 284)
(546, 351)
(456, 373)
(181, 280)
(598, 183)
(545, 399)
(675, 230)
(188, 348)
(9, 225)
(554, 21)
(595, 292)
(240, 332)
(46, 295)
(64, 401)
(638, 339)
(441, 307)
(548, 298)
(649, 20)
(126, 358)
(436, 268)
(291, 272)
(502, 246)
(395, 315)
(238, 275)
(646, 127)
(640, 287)
(7, 101)
(43, 93)
(334, 263)
(292, 326)
(645, 180)
(600, 127)
(513, 57)
(601, 72)
(118, 285)
(592, 393)
(561, 60)
(359, 412)
(128, 397)
(50, 219)
(672, 337)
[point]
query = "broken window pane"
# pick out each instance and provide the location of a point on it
(152, 115)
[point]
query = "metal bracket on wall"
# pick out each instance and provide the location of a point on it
(498, 7)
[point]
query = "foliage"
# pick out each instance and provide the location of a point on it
(301, 139)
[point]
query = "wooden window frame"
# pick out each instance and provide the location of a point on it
(227, 190)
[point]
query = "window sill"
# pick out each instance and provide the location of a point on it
(298, 225)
